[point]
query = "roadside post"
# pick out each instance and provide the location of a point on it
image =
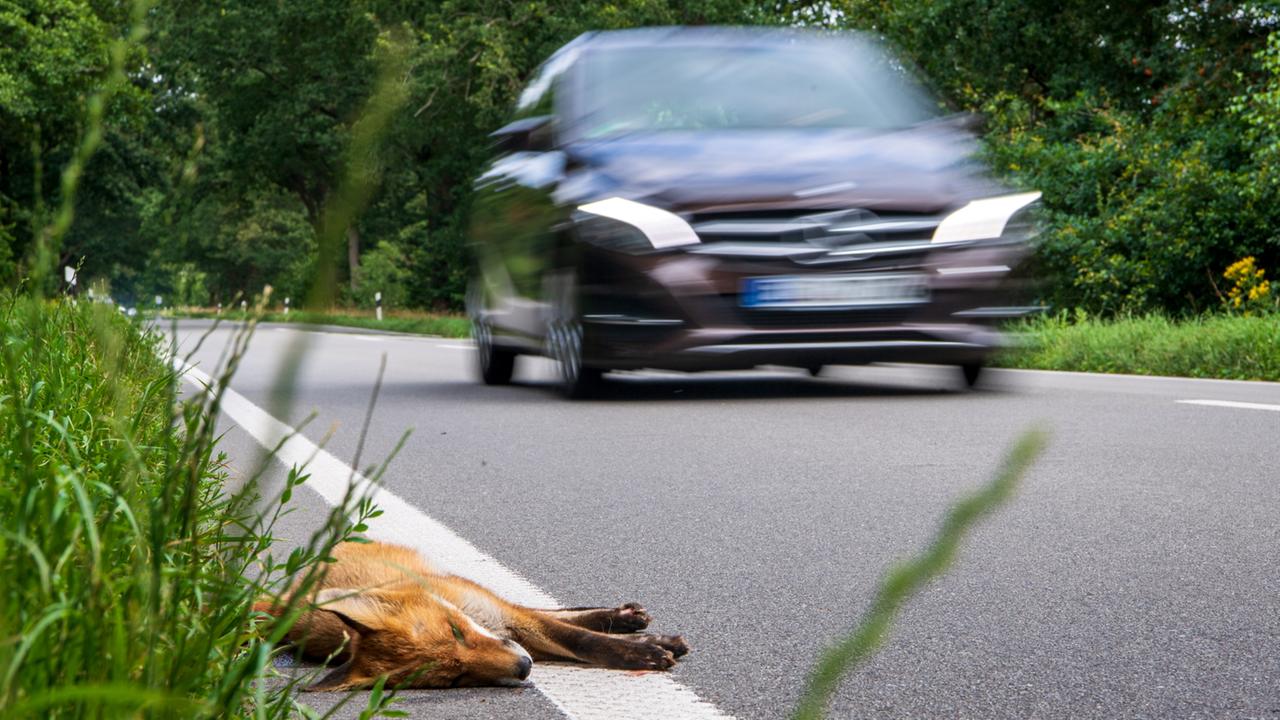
(219, 308)
(286, 306)
(377, 300)
(159, 302)
(69, 274)
(244, 306)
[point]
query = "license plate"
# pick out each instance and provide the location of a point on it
(835, 291)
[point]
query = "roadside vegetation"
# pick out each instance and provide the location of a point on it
(1229, 347)
(130, 565)
(130, 560)
(404, 321)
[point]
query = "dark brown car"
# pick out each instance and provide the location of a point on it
(699, 199)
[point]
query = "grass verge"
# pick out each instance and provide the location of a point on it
(129, 567)
(1230, 347)
(450, 326)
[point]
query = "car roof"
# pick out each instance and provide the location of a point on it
(702, 35)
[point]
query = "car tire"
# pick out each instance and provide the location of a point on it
(564, 340)
(495, 364)
(972, 372)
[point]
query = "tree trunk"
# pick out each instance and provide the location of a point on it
(353, 254)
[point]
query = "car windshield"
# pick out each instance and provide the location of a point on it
(768, 85)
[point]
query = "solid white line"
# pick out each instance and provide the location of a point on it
(580, 693)
(1233, 404)
(457, 347)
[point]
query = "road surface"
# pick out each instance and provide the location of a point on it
(1136, 573)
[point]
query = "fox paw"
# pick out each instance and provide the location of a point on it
(644, 653)
(674, 644)
(627, 618)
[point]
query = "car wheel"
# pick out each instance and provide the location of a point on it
(971, 372)
(565, 341)
(495, 364)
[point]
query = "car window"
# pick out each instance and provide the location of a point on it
(767, 85)
(538, 97)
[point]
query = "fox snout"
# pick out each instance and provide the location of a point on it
(523, 663)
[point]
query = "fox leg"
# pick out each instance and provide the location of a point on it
(548, 638)
(318, 634)
(627, 618)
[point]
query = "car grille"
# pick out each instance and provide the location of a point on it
(823, 229)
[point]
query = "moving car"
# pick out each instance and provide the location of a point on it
(713, 198)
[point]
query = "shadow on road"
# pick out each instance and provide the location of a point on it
(651, 387)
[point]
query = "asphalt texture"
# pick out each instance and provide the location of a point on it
(1134, 575)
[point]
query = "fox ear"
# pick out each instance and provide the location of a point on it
(356, 611)
(342, 678)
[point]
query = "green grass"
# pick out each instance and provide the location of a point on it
(450, 326)
(129, 569)
(1216, 346)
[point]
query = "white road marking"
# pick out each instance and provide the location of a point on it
(457, 347)
(1233, 404)
(355, 336)
(580, 693)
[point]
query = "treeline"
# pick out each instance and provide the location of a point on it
(1152, 128)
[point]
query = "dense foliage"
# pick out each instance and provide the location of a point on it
(1153, 129)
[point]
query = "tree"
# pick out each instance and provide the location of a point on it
(1118, 112)
(280, 85)
(53, 53)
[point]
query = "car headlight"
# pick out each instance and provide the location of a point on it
(986, 219)
(646, 228)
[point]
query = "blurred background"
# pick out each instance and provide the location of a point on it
(1152, 128)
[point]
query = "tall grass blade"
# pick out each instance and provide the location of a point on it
(906, 580)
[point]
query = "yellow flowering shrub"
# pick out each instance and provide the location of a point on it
(1250, 290)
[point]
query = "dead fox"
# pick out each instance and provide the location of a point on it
(382, 610)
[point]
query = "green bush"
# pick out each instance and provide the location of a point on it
(384, 269)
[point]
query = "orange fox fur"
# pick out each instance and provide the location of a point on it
(382, 610)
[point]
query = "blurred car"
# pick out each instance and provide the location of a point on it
(716, 198)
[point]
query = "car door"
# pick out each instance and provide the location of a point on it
(514, 217)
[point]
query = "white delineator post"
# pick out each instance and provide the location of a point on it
(377, 300)
(244, 306)
(286, 306)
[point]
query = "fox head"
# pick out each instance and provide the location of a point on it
(416, 639)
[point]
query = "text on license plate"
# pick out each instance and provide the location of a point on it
(835, 291)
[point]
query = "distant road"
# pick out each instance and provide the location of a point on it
(1137, 574)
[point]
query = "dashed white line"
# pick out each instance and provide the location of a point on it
(1233, 404)
(580, 693)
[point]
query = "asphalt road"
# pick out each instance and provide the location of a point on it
(1134, 575)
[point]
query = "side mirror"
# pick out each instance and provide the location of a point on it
(531, 134)
(973, 122)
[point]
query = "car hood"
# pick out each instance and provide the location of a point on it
(920, 169)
